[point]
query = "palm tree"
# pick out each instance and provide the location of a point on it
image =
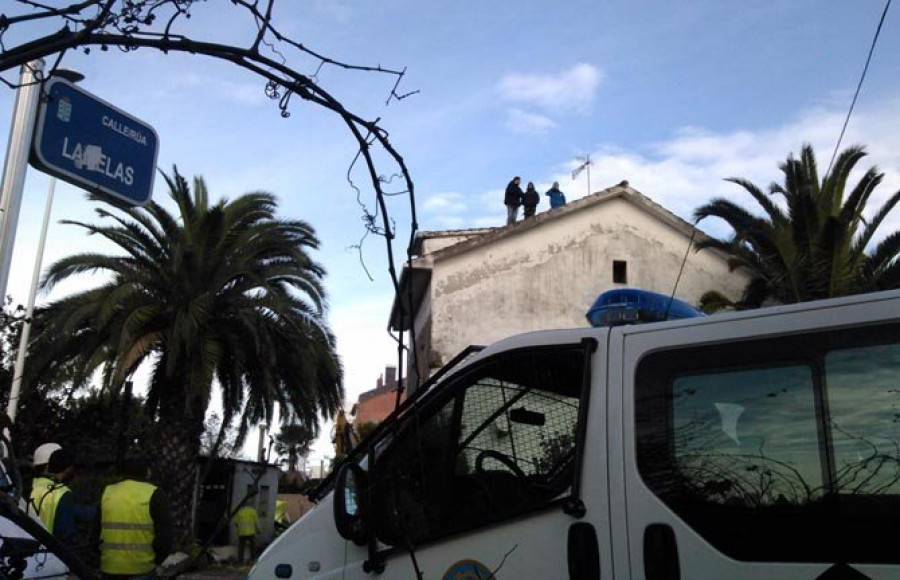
(815, 244)
(222, 294)
(294, 441)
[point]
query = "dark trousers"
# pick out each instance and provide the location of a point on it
(529, 210)
(248, 542)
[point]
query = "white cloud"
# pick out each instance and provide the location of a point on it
(365, 349)
(687, 170)
(571, 89)
(520, 121)
(449, 202)
(361, 328)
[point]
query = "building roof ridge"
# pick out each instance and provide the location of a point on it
(621, 189)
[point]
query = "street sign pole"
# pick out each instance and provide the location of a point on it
(16, 163)
(19, 369)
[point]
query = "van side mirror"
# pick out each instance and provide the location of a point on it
(350, 503)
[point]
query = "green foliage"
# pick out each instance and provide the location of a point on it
(294, 442)
(90, 424)
(556, 450)
(814, 244)
(336, 462)
(714, 301)
(219, 293)
(363, 430)
(219, 438)
(96, 428)
(10, 331)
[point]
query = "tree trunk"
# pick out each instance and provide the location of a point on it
(174, 461)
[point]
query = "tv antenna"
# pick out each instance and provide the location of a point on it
(584, 163)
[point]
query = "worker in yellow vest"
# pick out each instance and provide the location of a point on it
(343, 434)
(282, 519)
(50, 499)
(247, 523)
(135, 525)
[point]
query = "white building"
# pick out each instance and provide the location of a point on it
(228, 482)
(477, 286)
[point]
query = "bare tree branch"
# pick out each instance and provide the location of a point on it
(134, 24)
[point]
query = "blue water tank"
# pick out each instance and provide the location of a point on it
(633, 306)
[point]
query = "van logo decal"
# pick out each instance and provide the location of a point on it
(468, 570)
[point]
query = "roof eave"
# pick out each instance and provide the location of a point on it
(413, 284)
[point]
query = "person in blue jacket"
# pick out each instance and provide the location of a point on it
(557, 198)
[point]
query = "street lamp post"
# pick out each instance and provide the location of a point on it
(20, 135)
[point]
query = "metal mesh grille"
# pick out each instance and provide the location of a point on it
(536, 449)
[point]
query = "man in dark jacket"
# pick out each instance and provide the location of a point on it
(513, 199)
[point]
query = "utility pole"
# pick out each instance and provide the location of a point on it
(261, 450)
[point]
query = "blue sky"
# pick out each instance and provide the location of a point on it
(672, 97)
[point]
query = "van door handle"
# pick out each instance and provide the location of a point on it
(660, 553)
(584, 552)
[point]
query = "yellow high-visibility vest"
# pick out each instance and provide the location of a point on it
(281, 514)
(245, 519)
(44, 499)
(126, 528)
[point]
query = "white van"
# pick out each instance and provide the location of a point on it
(760, 444)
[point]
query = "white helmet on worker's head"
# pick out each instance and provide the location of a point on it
(42, 454)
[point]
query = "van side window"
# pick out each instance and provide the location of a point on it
(864, 404)
(783, 449)
(499, 443)
(748, 437)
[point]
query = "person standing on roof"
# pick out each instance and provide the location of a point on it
(135, 525)
(513, 199)
(557, 197)
(51, 500)
(531, 199)
(246, 521)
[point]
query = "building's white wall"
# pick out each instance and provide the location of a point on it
(548, 276)
(264, 502)
(417, 374)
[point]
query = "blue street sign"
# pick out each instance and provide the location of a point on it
(91, 144)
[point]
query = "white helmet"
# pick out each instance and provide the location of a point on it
(42, 454)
